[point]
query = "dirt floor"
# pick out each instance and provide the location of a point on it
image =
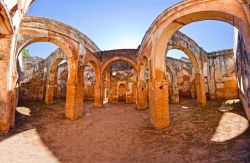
(120, 133)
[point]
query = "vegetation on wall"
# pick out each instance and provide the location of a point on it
(25, 53)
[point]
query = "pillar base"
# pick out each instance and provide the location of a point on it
(4, 128)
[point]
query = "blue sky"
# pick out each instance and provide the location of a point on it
(117, 24)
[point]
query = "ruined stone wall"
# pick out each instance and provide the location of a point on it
(62, 77)
(183, 76)
(11, 13)
(243, 72)
(123, 86)
(89, 83)
(32, 78)
(222, 75)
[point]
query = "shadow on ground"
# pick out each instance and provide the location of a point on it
(120, 133)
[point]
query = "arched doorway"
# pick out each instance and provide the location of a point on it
(116, 72)
(122, 92)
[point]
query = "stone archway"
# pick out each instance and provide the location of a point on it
(105, 68)
(197, 57)
(98, 93)
(52, 64)
(159, 34)
(73, 44)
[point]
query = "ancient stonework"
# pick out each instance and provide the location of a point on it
(222, 75)
(151, 79)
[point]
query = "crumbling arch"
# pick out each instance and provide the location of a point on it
(52, 63)
(195, 53)
(197, 62)
(159, 34)
(116, 59)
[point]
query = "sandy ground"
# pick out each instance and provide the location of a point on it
(120, 133)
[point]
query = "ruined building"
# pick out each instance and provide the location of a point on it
(145, 76)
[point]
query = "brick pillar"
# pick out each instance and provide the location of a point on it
(176, 98)
(134, 92)
(142, 95)
(159, 103)
(108, 82)
(98, 100)
(200, 90)
(14, 102)
(50, 90)
(74, 101)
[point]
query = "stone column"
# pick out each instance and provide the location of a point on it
(50, 89)
(159, 103)
(200, 90)
(142, 95)
(98, 100)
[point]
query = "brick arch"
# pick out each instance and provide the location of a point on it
(156, 40)
(116, 59)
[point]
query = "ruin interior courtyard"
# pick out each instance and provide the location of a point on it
(84, 104)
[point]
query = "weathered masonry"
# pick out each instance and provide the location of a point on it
(145, 76)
